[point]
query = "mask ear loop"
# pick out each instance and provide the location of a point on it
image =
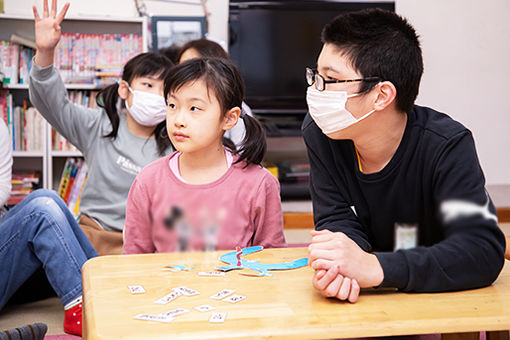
(363, 92)
(359, 93)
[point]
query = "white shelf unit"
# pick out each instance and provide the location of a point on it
(48, 161)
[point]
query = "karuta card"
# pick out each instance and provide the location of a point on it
(204, 308)
(222, 293)
(186, 291)
(137, 289)
(174, 312)
(169, 297)
(218, 317)
(211, 273)
(154, 317)
(234, 298)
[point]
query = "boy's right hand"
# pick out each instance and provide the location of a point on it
(47, 32)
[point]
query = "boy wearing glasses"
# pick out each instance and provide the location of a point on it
(398, 194)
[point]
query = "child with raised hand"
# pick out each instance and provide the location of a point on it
(205, 196)
(117, 139)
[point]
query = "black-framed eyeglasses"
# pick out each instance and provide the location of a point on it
(313, 77)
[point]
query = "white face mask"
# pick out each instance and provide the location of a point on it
(148, 109)
(327, 109)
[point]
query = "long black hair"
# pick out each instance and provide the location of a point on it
(145, 64)
(223, 78)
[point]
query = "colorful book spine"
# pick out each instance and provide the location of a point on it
(77, 187)
(72, 177)
(64, 179)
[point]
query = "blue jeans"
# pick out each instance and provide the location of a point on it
(41, 232)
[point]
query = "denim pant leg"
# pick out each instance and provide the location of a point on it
(40, 231)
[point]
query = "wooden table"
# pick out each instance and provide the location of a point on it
(283, 306)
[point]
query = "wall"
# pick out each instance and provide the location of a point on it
(466, 51)
(465, 46)
(218, 10)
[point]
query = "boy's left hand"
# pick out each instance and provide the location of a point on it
(330, 250)
(331, 284)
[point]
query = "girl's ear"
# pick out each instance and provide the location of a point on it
(123, 90)
(231, 118)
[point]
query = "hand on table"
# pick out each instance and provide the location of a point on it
(331, 284)
(340, 263)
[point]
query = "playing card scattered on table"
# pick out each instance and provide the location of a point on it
(137, 289)
(218, 317)
(154, 317)
(174, 312)
(186, 291)
(204, 308)
(234, 298)
(222, 293)
(169, 297)
(211, 273)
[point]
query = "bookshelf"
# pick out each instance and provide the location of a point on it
(49, 162)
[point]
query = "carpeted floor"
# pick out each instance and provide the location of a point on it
(48, 311)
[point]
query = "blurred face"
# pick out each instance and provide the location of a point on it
(190, 53)
(194, 118)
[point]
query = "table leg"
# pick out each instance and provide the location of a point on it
(461, 336)
(498, 335)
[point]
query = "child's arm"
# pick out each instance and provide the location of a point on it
(268, 217)
(138, 225)
(47, 91)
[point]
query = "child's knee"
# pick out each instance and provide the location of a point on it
(44, 193)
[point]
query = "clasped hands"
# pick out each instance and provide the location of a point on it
(341, 266)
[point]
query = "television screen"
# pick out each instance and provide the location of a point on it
(272, 42)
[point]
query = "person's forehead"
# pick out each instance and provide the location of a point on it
(331, 59)
(193, 90)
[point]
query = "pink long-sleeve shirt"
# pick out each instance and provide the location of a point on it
(164, 214)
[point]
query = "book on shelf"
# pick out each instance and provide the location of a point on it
(73, 200)
(25, 124)
(73, 179)
(96, 59)
(17, 39)
(23, 183)
(15, 62)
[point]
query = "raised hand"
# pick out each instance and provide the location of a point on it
(47, 31)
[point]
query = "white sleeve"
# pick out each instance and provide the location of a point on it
(5, 163)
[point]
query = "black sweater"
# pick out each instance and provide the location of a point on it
(434, 181)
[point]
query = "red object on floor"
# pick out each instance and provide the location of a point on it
(72, 320)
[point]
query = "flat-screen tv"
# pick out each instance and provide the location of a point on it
(273, 41)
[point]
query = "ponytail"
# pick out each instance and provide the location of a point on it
(107, 99)
(253, 146)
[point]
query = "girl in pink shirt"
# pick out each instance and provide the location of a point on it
(205, 196)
